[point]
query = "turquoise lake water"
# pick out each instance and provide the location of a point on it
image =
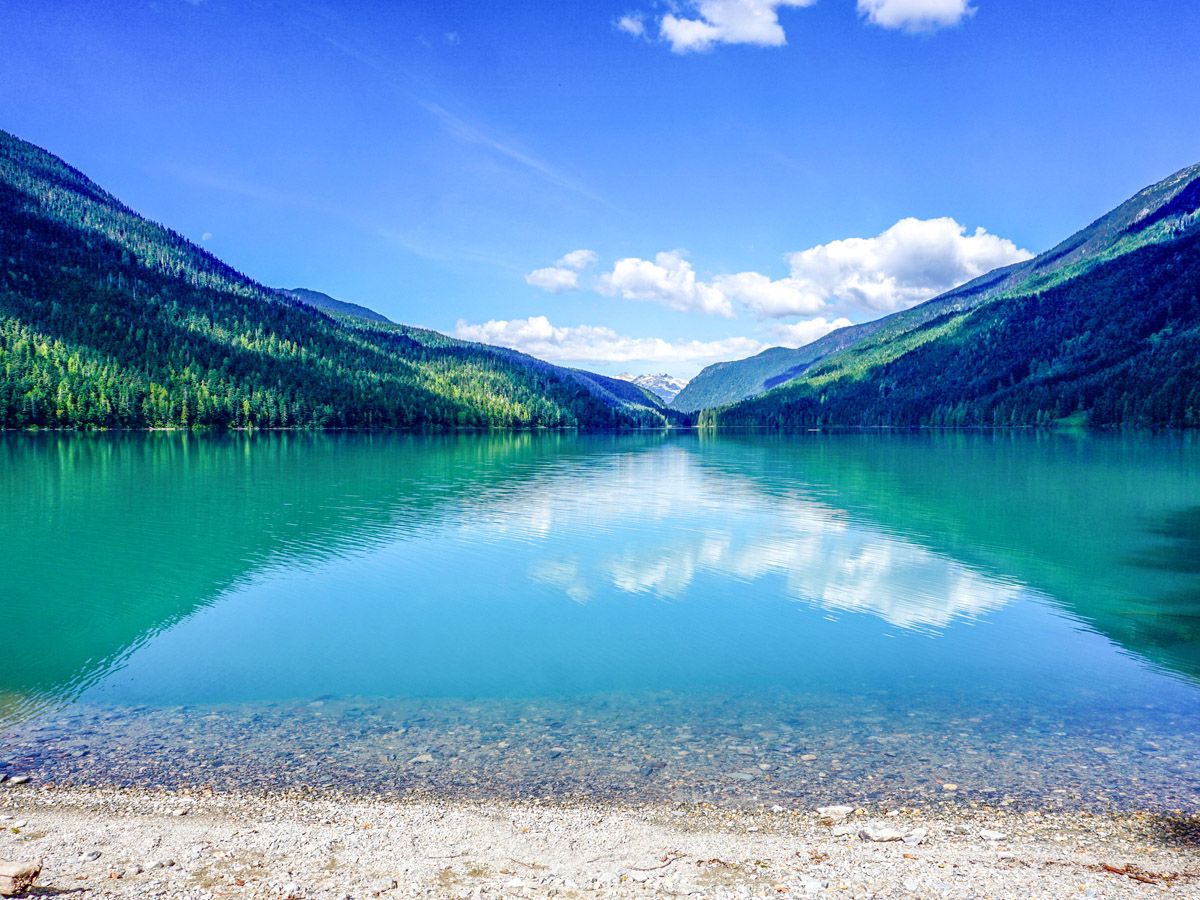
(736, 619)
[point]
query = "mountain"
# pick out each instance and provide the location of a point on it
(328, 304)
(729, 382)
(109, 320)
(665, 387)
(1104, 330)
(1154, 215)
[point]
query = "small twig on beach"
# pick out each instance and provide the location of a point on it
(451, 856)
(667, 860)
(1129, 873)
(525, 864)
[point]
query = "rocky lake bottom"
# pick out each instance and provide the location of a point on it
(729, 751)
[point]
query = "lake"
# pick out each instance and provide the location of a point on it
(1001, 618)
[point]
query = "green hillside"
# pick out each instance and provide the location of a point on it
(109, 320)
(1118, 345)
(729, 382)
(334, 307)
(1161, 212)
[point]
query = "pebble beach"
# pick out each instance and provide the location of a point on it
(127, 842)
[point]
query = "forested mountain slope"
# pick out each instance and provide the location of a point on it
(109, 320)
(1117, 345)
(334, 307)
(728, 382)
(1158, 213)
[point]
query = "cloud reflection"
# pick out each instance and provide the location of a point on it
(635, 531)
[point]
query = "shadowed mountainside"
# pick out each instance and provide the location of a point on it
(109, 320)
(1161, 214)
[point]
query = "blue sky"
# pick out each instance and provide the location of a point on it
(620, 184)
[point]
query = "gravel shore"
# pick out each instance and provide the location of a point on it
(133, 843)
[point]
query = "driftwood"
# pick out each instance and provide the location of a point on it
(1130, 872)
(17, 878)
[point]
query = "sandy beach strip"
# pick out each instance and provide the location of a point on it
(134, 843)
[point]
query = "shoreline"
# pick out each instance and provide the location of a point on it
(125, 842)
(436, 430)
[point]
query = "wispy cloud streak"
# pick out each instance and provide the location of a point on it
(470, 133)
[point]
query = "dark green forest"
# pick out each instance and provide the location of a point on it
(109, 320)
(1159, 214)
(1119, 345)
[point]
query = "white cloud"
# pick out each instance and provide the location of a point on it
(669, 280)
(761, 295)
(206, 237)
(632, 24)
(553, 279)
(696, 26)
(912, 261)
(589, 343)
(564, 274)
(470, 133)
(798, 334)
(727, 22)
(915, 16)
(577, 259)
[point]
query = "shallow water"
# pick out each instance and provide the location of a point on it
(737, 619)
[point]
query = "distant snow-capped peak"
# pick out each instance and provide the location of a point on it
(664, 386)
